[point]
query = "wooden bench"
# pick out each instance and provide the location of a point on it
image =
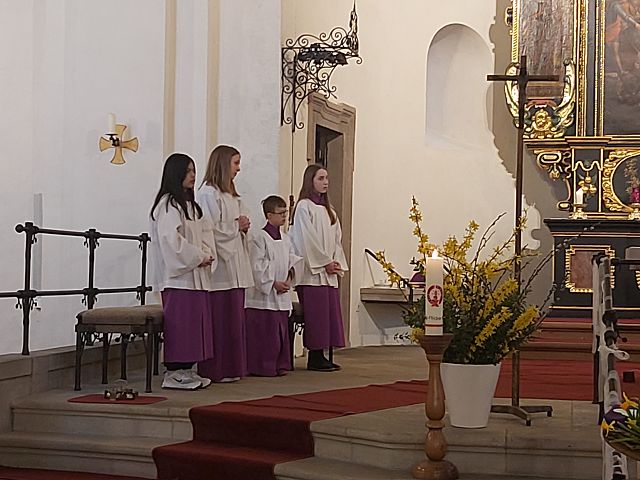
(99, 324)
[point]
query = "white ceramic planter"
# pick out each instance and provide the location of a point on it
(469, 391)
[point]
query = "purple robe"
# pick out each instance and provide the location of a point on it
(188, 333)
(229, 338)
(268, 348)
(322, 316)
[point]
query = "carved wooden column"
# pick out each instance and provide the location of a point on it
(435, 467)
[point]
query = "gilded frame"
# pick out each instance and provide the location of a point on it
(569, 254)
(575, 73)
(609, 196)
(600, 73)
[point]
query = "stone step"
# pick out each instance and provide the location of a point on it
(572, 340)
(110, 420)
(392, 439)
(112, 455)
(316, 468)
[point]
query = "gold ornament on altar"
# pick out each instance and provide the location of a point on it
(587, 185)
(546, 118)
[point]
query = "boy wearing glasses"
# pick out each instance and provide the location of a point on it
(268, 303)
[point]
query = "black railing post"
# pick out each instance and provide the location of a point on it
(144, 240)
(26, 296)
(92, 243)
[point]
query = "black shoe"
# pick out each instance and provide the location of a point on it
(317, 362)
(336, 366)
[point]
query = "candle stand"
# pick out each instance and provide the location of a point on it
(578, 212)
(435, 467)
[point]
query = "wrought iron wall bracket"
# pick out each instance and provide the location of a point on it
(308, 63)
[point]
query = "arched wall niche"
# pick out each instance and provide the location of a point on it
(458, 60)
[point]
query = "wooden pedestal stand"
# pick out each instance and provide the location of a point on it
(434, 467)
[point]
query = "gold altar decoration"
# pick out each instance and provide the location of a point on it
(586, 141)
(598, 165)
(551, 35)
(116, 142)
(544, 118)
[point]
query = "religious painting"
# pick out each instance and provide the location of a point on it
(621, 82)
(621, 181)
(578, 269)
(546, 35)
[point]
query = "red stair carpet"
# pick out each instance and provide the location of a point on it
(7, 473)
(245, 440)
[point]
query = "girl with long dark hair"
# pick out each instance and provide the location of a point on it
(181, 259)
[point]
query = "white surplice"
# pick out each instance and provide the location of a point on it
(223, 209)
(178, 246)
(271, 261)
(318, 242)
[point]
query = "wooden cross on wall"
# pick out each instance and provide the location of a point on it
(522, 78)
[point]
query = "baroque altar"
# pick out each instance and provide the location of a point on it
(584, 132)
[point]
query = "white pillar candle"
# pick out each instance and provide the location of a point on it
(579, 198)
(112, 123)
(434, 293)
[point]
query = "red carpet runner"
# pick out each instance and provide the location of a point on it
(7, 473)
(245, 440)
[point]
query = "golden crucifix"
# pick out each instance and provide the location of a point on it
(115, 141)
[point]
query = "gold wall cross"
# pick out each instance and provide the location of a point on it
(118, 144)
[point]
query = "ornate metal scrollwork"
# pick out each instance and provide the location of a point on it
(308, 63)
(545, 120)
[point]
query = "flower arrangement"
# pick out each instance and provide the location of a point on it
(484, 309)
(620, 424)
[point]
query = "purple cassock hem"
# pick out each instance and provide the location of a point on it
(322, 316)
(229, 338)
(268, 349)
(188, 333)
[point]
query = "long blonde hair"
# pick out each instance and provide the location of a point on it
(218, 173)
(307, 190)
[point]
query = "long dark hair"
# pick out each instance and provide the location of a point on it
(173, 174)
(218, 173)
(307, 190)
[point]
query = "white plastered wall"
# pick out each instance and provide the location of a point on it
(65, 66)
(450, 163)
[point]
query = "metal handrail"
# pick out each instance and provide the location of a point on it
(607, 391)
(403, 281)
(26, 296)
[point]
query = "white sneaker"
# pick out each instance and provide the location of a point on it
(180, 380)
(204, 382)
(229, 379)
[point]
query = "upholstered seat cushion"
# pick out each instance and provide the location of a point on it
(136, 315)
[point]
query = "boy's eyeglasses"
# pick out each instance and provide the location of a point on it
(280, 213)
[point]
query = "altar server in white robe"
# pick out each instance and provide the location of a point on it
(181, 257)
(223, 206)
(317, 237)
(268, 303)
